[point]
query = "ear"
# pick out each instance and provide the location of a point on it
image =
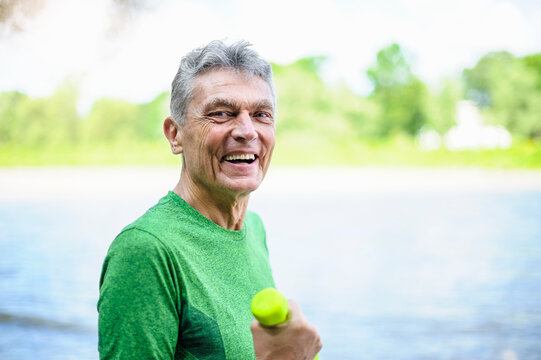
(173, 133)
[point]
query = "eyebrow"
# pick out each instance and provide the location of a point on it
(218, 102)
(264, 104)
(222, 102)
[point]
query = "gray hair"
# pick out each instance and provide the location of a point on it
(215, 55)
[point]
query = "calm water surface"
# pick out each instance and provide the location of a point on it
(398, 275)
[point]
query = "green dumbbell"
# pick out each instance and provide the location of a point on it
(270, 308)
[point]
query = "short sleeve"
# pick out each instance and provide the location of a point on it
(139, 302)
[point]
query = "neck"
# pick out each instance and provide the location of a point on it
(227, 211)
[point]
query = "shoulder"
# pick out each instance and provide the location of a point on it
(152, 226)
(255, 230)
(253, 217)
(132, 253)
(135, 247)
(134, 239)
(253, 220)
(144, 240)
(154, 217)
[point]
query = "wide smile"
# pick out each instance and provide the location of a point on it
(240, 159)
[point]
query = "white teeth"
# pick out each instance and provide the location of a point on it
(240, 157)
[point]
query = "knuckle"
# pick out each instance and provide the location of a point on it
(300, 325)
(311, 331)
(294, 308)
(319, 342)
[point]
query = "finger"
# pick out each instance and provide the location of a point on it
(295, 312)
(255, 325)
(257, 328)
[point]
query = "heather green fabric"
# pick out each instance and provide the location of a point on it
(175, 285)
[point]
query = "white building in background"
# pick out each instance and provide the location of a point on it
(470, 133)
(429, 140)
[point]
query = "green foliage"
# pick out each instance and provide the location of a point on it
(391, 70)
(442, 106)
(306, 105)
(316, 123)
(62, 114)
(113, 120)
(302, 96)
(11, 116)
(402, 98)
(45, 121)
(152, 116)
(311, 115)
(508, 89)
(533, 62)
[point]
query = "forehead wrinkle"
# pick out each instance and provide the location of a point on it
(203, 87)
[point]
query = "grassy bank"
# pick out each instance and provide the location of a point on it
(98, 154)
(402, 152)
(289, 151)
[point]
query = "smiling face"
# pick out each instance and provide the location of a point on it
(228, 137)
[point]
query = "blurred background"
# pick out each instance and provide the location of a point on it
(403, 202)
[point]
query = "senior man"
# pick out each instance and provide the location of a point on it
(177, 283)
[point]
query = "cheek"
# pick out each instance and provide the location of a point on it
(267, 136)
(207, 139)
(196, 147)
(211, 144)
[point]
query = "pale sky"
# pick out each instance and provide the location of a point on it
(135, 56)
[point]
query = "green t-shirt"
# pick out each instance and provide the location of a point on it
(175, 285)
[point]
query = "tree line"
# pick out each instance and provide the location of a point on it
(507, 89)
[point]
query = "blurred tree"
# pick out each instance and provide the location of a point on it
(391, 69)
(112, 120)
(11, 112)
(306, 104)
(62, 117)
(301, 94)
(402, 98)
(442, 106)
(359, 112)
(508, 89)
(149, 123)
(487, 75)
(534, 63)
(39, 122)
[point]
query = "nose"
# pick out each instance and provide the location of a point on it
(244, 129)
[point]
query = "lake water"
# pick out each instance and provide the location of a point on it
(388, 264)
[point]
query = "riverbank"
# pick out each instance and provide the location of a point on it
(289, 151)
(93, 182)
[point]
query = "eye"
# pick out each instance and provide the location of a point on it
(263, 116)
(220, 115)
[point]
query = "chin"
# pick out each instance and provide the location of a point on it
(243, 186)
